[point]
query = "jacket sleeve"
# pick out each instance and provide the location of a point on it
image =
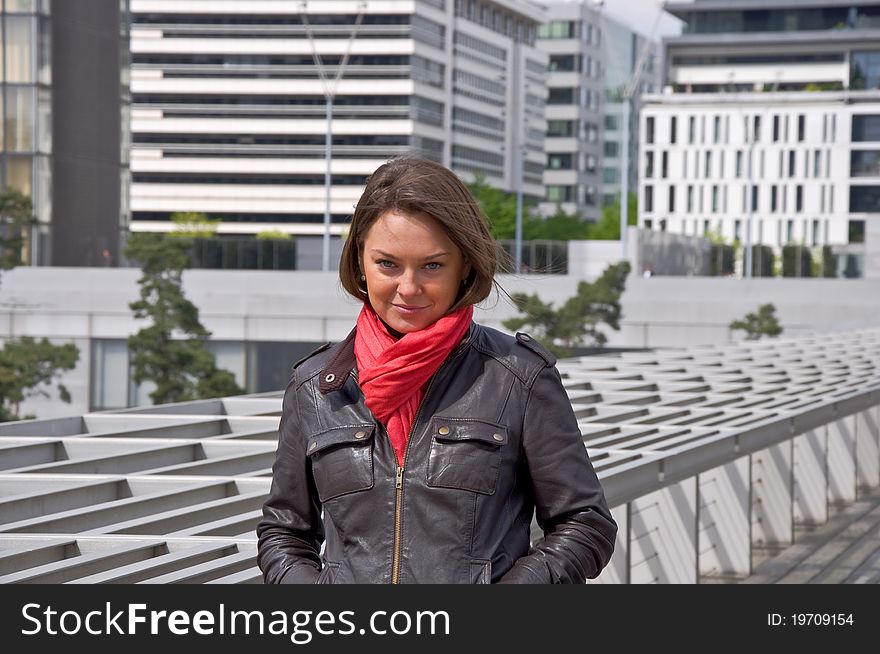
(570, 505)
(290, 533)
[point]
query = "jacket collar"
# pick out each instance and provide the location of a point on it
(337, 371)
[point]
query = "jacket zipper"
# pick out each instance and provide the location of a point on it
(398, 483)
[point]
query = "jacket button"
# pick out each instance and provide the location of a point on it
(360, 434)
(498, 437)
(443, 430)
(329, 378)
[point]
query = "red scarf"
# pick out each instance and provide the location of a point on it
(393, 372)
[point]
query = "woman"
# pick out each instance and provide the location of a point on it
(428, 441)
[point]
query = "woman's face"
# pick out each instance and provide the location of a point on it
(413, 270)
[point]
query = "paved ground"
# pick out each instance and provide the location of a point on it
(845, 550)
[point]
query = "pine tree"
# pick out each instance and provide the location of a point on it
(26, 365)
(577, 321)
(172, 351)
(762, 323)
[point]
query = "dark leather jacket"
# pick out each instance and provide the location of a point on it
(494, 440)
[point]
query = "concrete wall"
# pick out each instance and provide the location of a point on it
(80, 304)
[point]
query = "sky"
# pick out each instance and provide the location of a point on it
(641, 15)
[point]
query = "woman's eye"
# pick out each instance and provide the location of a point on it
(432, 266)
(384, 263)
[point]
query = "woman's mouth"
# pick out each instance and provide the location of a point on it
(408, 310)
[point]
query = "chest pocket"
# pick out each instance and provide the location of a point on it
(342, 460)
(465, 454)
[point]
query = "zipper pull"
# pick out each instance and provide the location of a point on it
(399, 483)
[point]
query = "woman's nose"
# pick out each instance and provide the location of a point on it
(408, 284)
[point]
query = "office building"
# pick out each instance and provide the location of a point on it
(767, 132)
(64, 125)
(229, 109)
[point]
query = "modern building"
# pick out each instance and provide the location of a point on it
(64, 125)
(594, 62)
(767, 130)
(775, 45)
(229, 108)
(573, 39)
(632, 68)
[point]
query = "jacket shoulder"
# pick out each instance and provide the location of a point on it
(521, 354)
(312, 363)
(317, 350)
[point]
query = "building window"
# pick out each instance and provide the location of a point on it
(866, 127)
(774, 190)
(708, 162)
(664, 164)
(649, 164)
(856, 231)
(802, 127)
(649, 129)
(739, 164)
(673, 129)
(863, 163)
(865, 70)
(560, 128)
(789, 231)
(799, 198)
(671, 199)
(716, 129)
(737, 230)
(864, 199)
(563, 95)
(564, 63)
(776, 130)
(692, 129)
(754, 197)
(815, 234)
(690, 198)
(559, 161)
(649, 198)
(791, 162)
(559, 193)
(715, 198)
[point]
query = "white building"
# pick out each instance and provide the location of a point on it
(695, 176)
(228, 109)
(792, 86)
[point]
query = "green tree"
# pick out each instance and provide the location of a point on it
(578, 320)
(26, 366)
(172, 351)
(499, 207)
(193, 224)
(608, 227)
(762, 323)
(560, 226)
(16, 218)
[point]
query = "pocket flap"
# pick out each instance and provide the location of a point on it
(456, 429)
(349, 434)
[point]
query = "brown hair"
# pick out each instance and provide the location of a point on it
(414, 185)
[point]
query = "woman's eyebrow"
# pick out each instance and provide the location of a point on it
(391, 256)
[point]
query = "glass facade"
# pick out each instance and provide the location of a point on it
(864, 72)
(25, 112)
(781, 20)
(258, 367)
